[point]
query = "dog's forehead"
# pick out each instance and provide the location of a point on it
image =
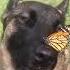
(36, 6)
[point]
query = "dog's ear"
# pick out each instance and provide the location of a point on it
(62, 8)
(13, 3)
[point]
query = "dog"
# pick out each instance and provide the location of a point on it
(25, 25)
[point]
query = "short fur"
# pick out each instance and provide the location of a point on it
(25, 25)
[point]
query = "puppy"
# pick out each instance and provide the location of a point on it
(25, 25)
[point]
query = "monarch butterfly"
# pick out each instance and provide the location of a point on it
(59, 39)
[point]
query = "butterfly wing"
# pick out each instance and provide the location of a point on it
(58, 40)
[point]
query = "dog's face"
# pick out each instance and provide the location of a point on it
(26, 25)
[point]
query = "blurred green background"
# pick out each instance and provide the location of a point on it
(3, 5)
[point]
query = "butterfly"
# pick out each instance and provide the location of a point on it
(59, 39)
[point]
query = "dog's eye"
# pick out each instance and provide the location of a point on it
(32, 19)
(28, 19)
(56, 23)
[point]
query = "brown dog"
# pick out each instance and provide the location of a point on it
(25, 25)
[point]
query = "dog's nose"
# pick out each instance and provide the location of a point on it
(39, 57)
(41, 54)
(45, 53)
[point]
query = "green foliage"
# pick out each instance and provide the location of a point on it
(3, 4)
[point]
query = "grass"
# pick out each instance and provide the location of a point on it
(3, 5)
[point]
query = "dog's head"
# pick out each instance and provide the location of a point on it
(26, 24)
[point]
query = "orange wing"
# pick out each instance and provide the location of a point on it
(58, 40)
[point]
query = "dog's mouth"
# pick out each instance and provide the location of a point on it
(44, 60)
(42, 63)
